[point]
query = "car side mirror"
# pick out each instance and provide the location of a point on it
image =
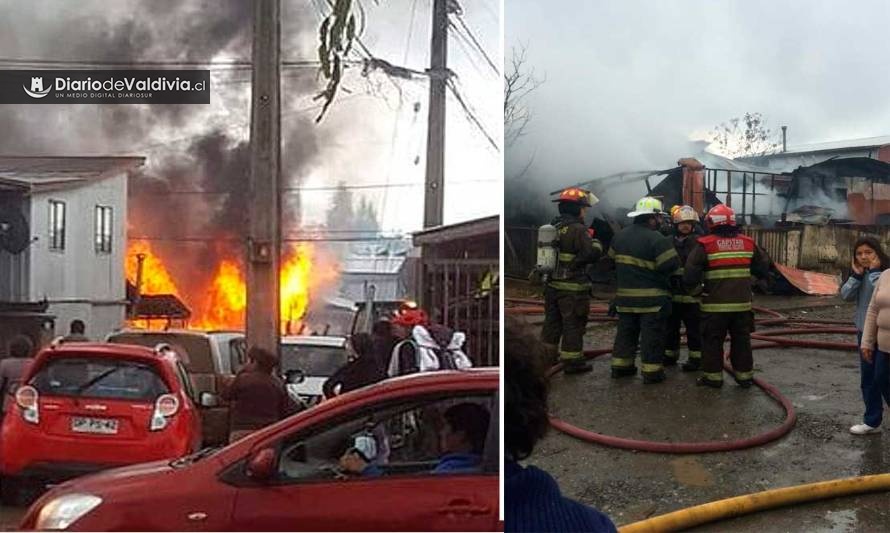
(261, 465)
(208, 399)
(295, 376)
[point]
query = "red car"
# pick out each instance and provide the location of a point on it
(85, 407)
(286, 476)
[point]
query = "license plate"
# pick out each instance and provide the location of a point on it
(106, 426)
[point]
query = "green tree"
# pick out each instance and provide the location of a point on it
(340, 215)
(365, 218)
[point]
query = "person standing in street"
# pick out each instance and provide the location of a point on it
(725, 260)
(567, 294)
(359, 372)
(645, 260)
(684, 306)
(258, 397)
(76, 332)
(869, 260)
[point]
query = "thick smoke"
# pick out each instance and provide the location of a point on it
(191, 197)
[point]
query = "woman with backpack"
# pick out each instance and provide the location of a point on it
(423, 347)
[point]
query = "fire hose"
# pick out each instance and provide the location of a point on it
(759, 501)
(773, 338)
(749, 503)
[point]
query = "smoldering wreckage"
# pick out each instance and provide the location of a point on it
(806, 218)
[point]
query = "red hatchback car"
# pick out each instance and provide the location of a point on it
(286, 476)
(84, 407)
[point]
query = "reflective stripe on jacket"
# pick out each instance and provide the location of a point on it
(576, 250)
(644, 261)
(725, 263)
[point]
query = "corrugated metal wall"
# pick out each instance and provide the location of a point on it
(818, 248)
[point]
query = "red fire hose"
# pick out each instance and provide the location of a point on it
(775, 338)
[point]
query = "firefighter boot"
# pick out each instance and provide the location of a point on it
(744, 379)
(577, 365)
(708, 382)
(692, 365)
(623, 372)
(650, 378)
(670, 358)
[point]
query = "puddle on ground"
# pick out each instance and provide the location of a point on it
(690, 472)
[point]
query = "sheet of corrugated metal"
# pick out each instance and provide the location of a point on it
(812, 283)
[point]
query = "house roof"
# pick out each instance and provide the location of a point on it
(461, 230)
(41, 172)
(161, 306)
(867, 142)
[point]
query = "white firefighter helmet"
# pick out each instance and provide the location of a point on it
(646, 206)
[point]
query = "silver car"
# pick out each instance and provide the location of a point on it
(307, 361)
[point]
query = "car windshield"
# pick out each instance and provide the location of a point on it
(312, 360)
(99, 378)
(197, 357)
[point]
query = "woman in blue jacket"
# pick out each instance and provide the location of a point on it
(869, 260)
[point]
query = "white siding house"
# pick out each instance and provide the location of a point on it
(76, 212)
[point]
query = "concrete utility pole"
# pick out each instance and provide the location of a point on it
(434, 196)
(264, 226)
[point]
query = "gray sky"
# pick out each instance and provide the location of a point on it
(628, 82)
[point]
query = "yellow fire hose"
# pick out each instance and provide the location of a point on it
(759, 501)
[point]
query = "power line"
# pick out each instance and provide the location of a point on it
(465, 45)
(479, 47)
(470, 114)
(316, 189)
(214, 65)
(235, 125)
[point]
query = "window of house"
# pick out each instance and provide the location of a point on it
(103, 229)
(56, 225)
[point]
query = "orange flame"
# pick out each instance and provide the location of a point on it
(224, 302)
(155, 278)
(294, 289)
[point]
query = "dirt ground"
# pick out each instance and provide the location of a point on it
(629, 486)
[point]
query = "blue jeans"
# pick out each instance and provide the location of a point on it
(875, 385)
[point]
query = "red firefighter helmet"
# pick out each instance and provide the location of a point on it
(410, 315)
(720, 215)
(576, 196)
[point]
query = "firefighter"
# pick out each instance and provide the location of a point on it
(567, 293)
(725, 261)
(644, 261)
(684, 307)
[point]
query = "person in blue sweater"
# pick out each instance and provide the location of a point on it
(462, 439)
(532, 499)
(869, 260)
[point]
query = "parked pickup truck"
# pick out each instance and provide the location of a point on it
(212, 359)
